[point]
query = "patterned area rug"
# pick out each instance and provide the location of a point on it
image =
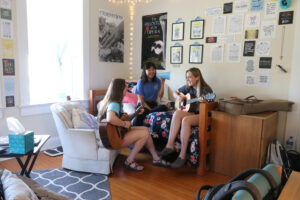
(75, 185)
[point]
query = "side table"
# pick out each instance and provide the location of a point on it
(26, 168)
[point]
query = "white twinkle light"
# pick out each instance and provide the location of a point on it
(131, 16)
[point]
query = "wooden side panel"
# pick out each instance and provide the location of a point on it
(269, 133)
(204, 136)
(221, 141)
(94, 97)
(240, 142)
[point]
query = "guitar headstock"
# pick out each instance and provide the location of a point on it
(210, 97)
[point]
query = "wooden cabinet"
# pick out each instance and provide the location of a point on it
(240, 142)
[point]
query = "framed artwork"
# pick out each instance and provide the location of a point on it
(197, 29)
(196, 54)
(176, 54)
(177, 31)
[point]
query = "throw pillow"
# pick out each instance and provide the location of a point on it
(130, 98)
(83, 119)
(15, 188)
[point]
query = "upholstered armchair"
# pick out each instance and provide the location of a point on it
(82, 150)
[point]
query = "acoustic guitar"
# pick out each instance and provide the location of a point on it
(112, 136)
(190, 103)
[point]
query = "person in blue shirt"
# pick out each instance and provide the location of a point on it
(148, 89)
(111, 110)
(182, 121)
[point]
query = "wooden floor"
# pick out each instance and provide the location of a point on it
(152, 183)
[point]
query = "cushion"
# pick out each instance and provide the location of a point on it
(130, 98)
(128, 108)
(15, 188)
(82, 119)
(131, 86)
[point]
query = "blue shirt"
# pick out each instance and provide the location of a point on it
(148, 90)
(185, 90)
(113, 106)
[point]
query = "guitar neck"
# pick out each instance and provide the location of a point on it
(134, 114)
(192, 100)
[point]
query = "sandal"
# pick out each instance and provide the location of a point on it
(160, 163)
(166, 151)
(133, 166)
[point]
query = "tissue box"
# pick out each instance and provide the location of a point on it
(21, 144)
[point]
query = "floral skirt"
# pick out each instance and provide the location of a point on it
(159, 124)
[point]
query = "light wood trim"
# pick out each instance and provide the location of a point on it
(93, 100)
(204, 136)
(291, 190)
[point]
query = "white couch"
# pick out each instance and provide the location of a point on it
(82, 150)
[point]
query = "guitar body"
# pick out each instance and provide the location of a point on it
(190, 103)
(184, 106)
(112, 136)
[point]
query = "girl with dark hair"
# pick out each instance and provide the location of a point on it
(148, 89)
(111, 109)
(182, 120)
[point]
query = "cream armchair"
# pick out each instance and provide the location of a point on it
(82, 150)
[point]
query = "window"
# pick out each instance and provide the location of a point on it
(51, 44)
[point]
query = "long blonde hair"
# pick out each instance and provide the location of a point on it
(200, 83)
(114, 94)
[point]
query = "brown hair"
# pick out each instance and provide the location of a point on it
(201, 82)
(114, 94)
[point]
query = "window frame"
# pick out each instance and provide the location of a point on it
(22, 61)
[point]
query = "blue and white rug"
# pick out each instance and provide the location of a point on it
(75, 185)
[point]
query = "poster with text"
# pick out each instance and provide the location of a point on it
(264, 78)
(241, 6)
(263, 48)
(249, 48)
(111, 37)
(236, 24)
(217, 53)
(10, 101)
(252, 21)
(250, 80)
(154, 29)
(234, 52)
(8, 67)
(271, 10)
(250, 65)
(7, 48)
(268, 29)
(257, 5)
(219, 25)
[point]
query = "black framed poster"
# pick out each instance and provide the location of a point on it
(286, 17)
(154, 39)
(249, 48)
(265, 62)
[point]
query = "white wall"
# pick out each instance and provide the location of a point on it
(293, 125)
(227, 79)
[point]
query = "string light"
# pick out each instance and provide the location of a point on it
(131, 17)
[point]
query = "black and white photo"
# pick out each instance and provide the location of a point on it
(111, 37)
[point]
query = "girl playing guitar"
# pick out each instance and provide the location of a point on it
(111, 109)
(183, 120)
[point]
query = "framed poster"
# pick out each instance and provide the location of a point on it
(154, 29)
(196, 54)
(176, 54)
(177, 31)
(197, 29)
(111, 37)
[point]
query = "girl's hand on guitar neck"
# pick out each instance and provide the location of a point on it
(201, 99)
